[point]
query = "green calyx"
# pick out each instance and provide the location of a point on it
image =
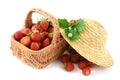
(72, 31)
(42, 19)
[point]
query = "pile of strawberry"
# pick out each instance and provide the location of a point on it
(37, 36)
(73, 58)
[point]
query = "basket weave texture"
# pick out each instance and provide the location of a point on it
(41, 58)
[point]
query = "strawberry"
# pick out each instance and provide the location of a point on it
(82, 64)
(65, 58)
(75, 57)
(35, 46)
(26, 31)
(35, 27)
(46, 34)
(18, 35)
(91, 64)
(44, 24)
(69, 66)
(35, 36)
(86, 71)
(26, 41)
(43, 37)
(40, 29)
(50, 29)
(46, 42)
(72, 22)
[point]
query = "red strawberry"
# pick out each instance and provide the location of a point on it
(40, 29)
(75, 57)
(82, 64)
(86, 71)
(26, 31)
(69, 66)
(65, 58)
(35, 27)
(72, 22)
(35, 46)
(25, 41)
(43, 37)
(46, 42)
(18, 35)
(46, 34)
(44, 24)
(91, 64)
(50, 29)
(35, 36)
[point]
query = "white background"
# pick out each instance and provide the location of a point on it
(13, 13)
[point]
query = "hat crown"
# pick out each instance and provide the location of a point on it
(91, 44)
(93, 35)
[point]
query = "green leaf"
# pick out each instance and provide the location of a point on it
(71, 50)
(74, 33)
(51, 35)
(38, 22)
(80, 25)
(63, 23)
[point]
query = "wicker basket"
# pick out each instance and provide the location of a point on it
(41, 58)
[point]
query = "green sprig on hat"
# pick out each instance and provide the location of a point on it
(72, 31)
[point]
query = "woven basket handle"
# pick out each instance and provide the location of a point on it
(28, 22)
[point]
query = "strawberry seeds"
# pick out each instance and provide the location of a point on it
(37, 36)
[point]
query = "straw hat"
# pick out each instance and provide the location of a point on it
(91, 44)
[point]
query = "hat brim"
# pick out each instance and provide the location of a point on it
(100, 57)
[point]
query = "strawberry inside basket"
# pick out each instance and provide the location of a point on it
(38, 43)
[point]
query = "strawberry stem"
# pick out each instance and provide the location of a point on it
(51, 35)
(64, 65)
(34, 31)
